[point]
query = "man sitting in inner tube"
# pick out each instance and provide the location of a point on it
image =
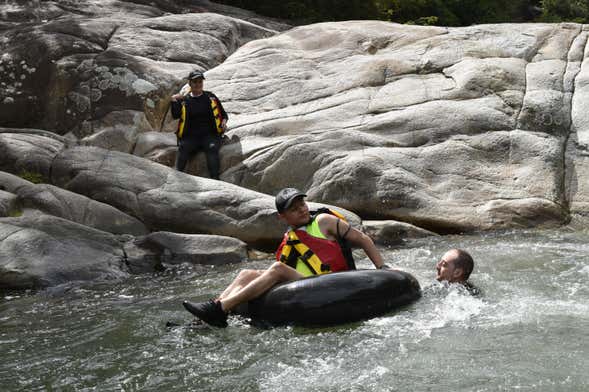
(313, 245)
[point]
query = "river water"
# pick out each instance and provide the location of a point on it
(527, 331)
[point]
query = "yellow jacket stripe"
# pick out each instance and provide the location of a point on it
(217, 115)
(305, 254)
(182, 121)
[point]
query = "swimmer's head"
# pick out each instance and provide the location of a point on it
(455, 266)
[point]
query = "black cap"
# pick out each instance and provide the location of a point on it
(285, 197)
(196, 75)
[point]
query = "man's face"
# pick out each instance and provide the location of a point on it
(447, 269)
(196, 84)
(297, 214)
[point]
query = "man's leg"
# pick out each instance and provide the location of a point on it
(277, 273)
(213, 160)
(215, 312)
(242, 279)
(185, 149)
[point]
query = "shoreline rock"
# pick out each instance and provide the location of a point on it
(40, 251)
(51, 200)
(389, 232)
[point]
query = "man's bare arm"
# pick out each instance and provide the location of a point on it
(329, 226)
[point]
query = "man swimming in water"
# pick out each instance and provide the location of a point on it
(455, 266)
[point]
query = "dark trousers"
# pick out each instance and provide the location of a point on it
(187, 148)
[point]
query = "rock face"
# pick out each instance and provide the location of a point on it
(165, 199)
(451, 129)
(173, 248)
(97, 59)
(52, 200)
(393, 232)
(168, 200)
(43, 251)
(28, 155)
(46, 251)
(8, 204)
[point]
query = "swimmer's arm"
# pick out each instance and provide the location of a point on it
(328, 225)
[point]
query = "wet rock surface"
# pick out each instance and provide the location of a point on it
(44, 251)
(38, 251)
(173, 248)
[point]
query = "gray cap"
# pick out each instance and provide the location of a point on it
(196, 75)
(285, 197)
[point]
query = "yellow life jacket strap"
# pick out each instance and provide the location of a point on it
(182, 121)
(305, 254)
(217, 115)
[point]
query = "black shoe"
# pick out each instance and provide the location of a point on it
(210, 312)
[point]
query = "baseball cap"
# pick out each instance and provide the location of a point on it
(285, 197)
(196, 75)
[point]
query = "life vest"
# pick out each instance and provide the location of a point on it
(215, 107)
(308, 251)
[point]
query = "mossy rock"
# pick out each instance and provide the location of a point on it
(35, 178)
(15, 213)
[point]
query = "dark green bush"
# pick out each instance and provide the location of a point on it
(424, 12)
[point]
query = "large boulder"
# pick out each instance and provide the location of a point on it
(59, 202)
(391, 232)
(8, 204)
(28, 155)
(44, 251)
(162, 147)
(94, 58)
(167, 200)
(119, 130)
(451, 129)
(577, 151)
(173, 248)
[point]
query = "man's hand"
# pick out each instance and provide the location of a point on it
(176, 97)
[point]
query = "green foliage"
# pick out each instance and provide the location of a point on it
(309, 11)
(35, 178)
(453, 12)
(565, 10)
(422, 12)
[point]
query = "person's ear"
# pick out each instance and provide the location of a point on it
(280, 216)
(458, 274)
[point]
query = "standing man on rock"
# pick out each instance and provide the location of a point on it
(202, 122)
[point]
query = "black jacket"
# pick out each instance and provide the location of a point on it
(184, 125)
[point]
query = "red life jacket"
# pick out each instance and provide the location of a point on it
(329, 253)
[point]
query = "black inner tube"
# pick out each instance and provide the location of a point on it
(335, 298)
